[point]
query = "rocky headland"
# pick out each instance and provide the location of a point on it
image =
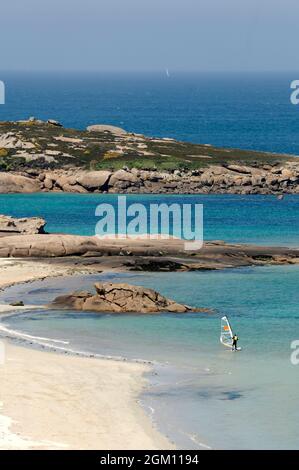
(37, 156)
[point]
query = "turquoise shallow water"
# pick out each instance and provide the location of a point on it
(201, 394)
(233, 218)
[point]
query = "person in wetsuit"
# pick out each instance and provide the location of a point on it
(235, 341)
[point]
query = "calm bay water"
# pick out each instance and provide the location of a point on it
(232, 218)
(201, 394)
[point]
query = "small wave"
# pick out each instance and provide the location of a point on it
(152, 410)
(10, 440)
(40, 341)
(194, 438)
(20, 334)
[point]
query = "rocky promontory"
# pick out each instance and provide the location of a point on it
(166, 254)
(37, 156)
(121, 298)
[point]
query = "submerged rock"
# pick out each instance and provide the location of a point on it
(121, 298)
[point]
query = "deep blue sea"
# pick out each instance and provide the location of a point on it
(251, 111)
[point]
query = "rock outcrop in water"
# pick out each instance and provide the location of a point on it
(27, 225)
(121, 298)
(143, 254)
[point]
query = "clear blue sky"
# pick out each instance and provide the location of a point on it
(149, 34)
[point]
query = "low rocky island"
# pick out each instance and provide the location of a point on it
(27, 238)
(121, 298)
(38, 156)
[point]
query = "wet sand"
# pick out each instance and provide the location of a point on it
(56, 401)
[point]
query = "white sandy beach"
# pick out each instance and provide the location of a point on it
(52, 401)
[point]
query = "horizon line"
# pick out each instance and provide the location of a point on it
(149, 71)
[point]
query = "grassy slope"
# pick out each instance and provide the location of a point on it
(100, 150)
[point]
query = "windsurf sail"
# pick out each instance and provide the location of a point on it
(226, 335)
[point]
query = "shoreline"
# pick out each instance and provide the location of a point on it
(125, 380)
(20, 339)
(101, 394)
(77, 398)
(68, 254)
(203, 438)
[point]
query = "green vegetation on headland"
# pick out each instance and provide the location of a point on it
(44, 156)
